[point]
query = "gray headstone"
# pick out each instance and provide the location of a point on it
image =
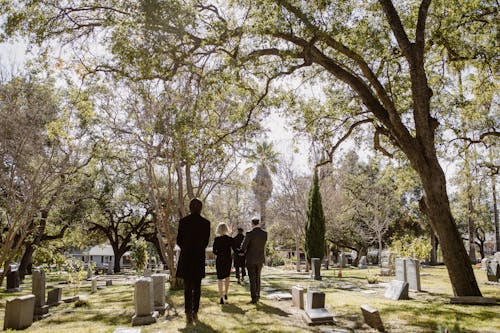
(38, 289)
(127, 330)
(342, 260)
(93, 285)
(372, 317)
(19, 312)
(484, 263)
(315, 299)
(54, 297)
(110, 268)
(363, 263)
(400, 269)
(144, 303)
(280, 296)
(90, 274)
(397, 290)
(109, 283)
(317, 316)
(493, 271)
(413, 274)
(298, 297)
(159, 281)
(13, 281)
(316, 268)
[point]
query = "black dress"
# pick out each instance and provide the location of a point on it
(222, 249)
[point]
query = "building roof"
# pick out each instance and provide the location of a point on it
(99, 250)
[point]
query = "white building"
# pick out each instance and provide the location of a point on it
(102, 256)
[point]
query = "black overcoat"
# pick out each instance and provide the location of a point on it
(192, 238)
(254, 246)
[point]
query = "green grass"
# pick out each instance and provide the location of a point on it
(113, 307)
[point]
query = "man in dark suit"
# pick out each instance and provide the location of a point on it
(192, 238)
(254, 246)
(239, 257)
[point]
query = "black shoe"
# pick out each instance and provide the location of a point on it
(225, 297)
(253, 301)
(221, 300)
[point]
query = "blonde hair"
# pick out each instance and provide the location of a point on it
(222, 229)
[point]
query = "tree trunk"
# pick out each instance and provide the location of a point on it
(471, 228)
(495, 209)
(434, 248)
(297, 252)
(26, 260)
(437, 207)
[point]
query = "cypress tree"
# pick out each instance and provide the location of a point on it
(315, 227)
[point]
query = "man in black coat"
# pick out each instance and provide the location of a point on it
(239, 257)
(254, 246)
(192, 238)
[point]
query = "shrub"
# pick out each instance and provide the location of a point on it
(408, 246)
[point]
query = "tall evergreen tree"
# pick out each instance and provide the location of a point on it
(315, 227)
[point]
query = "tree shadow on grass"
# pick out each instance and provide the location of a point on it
(199, 327)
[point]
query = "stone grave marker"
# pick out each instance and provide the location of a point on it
(127, 330)
(110, 270)
(363, 263)
(144, 303)
(159, 281)
(19, 312)
(497, 256)
(484, 263)
(316, 268)
(109, 283)
(400, 265)
(493, 271)
(342, 260)
(280, 296)
(54, 297)
(317, 317)
(90, 274)
(38, 289)
(372, 317)
(93, 285)
(315, 299)
(13, 281)
(413, 274)
(387, 263)
(298, 297)
(397, 290)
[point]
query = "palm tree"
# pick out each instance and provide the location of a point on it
(266, 159)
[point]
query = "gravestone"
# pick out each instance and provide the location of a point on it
(316, 268)
(144, 303)
(54, 297)
(109, 283)
(159, 281)
(493, 271)
(13, 281)
(90, 274)
(363, 264)
(342, 260)
(408, 270)
(372, 317)
(280, 296)
(127, 330)
(397, 290)
(413, 274)
(315, 299)
(484, 263)
(19, 312)
(387, 263)
(400, 265)
(298, 297)
(38, 289)
(317, 316)
(497, 256)
(93, 286)
(110, 268)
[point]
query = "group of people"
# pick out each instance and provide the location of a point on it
(193, 236)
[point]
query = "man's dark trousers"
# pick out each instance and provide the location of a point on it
(254, 277)
(192, 293)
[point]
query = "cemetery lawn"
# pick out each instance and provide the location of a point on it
(113, 307)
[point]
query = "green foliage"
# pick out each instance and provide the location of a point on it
(408, 246)
(47, 254)
(315, 227)
(76, 274)
(445, 328)
(139, 253)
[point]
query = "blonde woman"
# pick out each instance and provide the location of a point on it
(222, 249)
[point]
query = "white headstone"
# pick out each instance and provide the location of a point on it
(93, 286)
(397, 290)
(363, 264)
(298, 297)
(413, 274)
(144, 302)
(159, 281)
